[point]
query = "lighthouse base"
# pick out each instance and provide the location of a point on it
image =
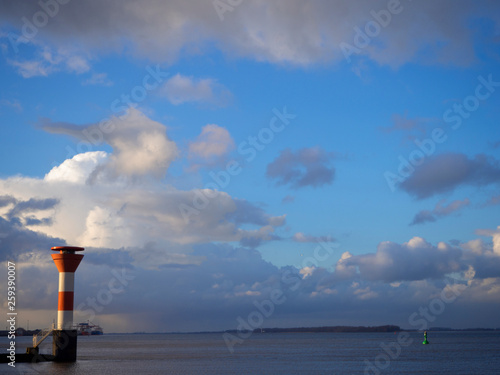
(64, 345)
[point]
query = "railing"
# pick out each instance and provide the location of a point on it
(42, 335)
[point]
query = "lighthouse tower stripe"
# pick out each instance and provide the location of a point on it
(66, 281)
(65, 301)
(64, 319)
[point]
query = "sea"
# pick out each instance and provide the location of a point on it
(471, 352)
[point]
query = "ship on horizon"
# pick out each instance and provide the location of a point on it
(88, 329)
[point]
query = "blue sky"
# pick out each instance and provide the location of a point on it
(355, 146)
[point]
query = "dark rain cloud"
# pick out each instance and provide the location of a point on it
(5, 200)
(32, 205)
(16, 240)
(34, 221)
(485, 265)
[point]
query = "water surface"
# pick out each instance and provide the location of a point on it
(275, 353)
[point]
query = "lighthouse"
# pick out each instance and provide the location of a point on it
(64, 336)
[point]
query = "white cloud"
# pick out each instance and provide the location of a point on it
(77, 169)
(210, 148)
(307, 271)
(100, 79)
(105, 229)
(77, 64)
(182, 89)
(48, 61)
(141, 146)
(14, 104)
(213, 141)
(343, 269)
(29, 69)
(496, 237)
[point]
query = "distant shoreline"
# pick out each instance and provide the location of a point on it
(331, 329)
(325, 329)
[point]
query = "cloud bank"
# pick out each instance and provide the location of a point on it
(276, 32)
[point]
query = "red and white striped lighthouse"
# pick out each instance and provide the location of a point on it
(67, 262)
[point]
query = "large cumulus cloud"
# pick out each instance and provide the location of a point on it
(109, 200)
(140, 145)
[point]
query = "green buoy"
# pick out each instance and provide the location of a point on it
(425, 338)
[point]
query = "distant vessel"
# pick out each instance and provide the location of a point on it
(88, 329)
